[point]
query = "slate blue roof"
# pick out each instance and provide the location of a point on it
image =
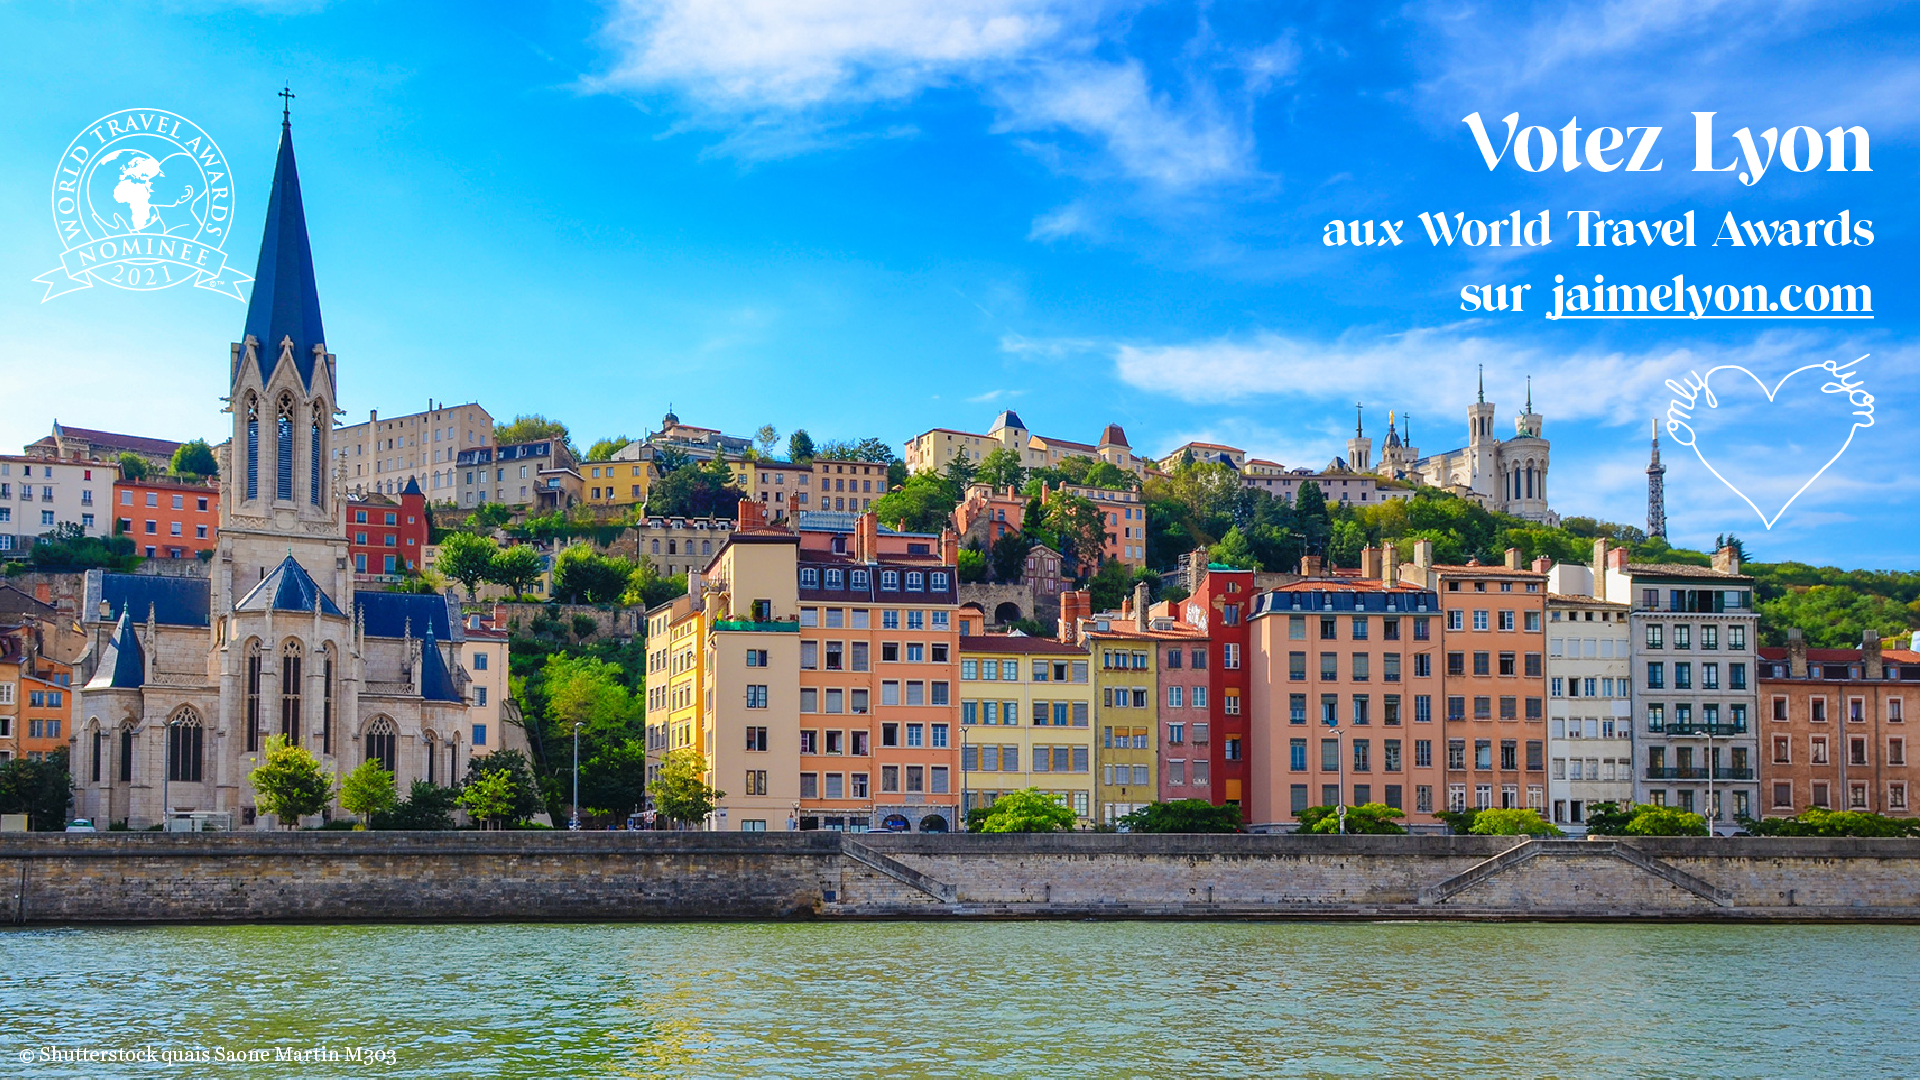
(413, 487)
(388, 615)
(174, 601)
(436, 682)
(123, 665)
(288, 588)
(285, 301)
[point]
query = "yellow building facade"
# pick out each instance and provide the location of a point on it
(1026, 721)
(1126, 721)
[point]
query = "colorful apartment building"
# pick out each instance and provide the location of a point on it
(387, 535)
(1220, 607)
(493, 719)
(1140, 734)
(676, 713)
(38, 495)
(36, 701)
(775, 484)
(1589, 698)
(1026, 720)
(1344, 688)
(1494, 646)
(168, 518)
(676, 545)
(538, 475)
(616, 483)
(1833, 732)
(933, 450)
(383, 455)
(988, 513)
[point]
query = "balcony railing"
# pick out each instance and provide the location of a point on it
(1696, 772)
(787, 626)
(1706, 729)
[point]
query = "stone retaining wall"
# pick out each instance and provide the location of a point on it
(337, 876)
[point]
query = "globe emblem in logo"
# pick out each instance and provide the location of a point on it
(143, 200)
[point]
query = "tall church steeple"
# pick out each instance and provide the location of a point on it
(278, 484)
(1359, 448)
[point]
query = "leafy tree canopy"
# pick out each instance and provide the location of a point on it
(427, 807)
(134, 467)
(1001, 468)
(691, 490)
(290, 782)
(368, 791)
(467, 559)
(1519, 821)
(1365, 818)
(195, 458)
(681, 791)
(516, 568)
(515, 774)
(1183, 816)
(1665, 821)
(42, 790)
(924, 504)
(1028, 811)
(582, 577)
(1818, 821)
(800, 447)
(647, 588)
(531, 428)
(604, 449)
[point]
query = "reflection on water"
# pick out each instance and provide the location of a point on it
(1011, 999)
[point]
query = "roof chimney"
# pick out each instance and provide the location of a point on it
(1726, 560)
(1390, 565)
(1542, 564)
(1142, 600)
(1599, 565)
(1423, 554)
(866, 544)
(793, 511)
(752, 515)
(1617, 560)
(1370, 563)
(1870, 663)
(696, 589)
(1313, 566)
(949, 546)
(1796, 653)
(1513, 558)
(1073, 605)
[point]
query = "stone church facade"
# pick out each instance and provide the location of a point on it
(187, 678)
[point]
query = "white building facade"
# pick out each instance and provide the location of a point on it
(1589, 699)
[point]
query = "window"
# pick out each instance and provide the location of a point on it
(757, 739)
(756, 696)
(809, 785)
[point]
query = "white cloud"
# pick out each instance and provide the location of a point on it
(782, 77)
(1069, 220)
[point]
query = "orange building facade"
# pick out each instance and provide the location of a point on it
(167, 519)
(1494, 655)
(1834, 729)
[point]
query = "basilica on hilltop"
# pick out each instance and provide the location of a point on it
(1509, 475)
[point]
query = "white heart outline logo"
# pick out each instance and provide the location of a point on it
(1687, 393)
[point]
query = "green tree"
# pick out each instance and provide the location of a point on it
(591, 693)
(290, 783)
(41, 789)
(488, 799)
(1818, 821)
(194, 458)
(1001, 468)
(467, 559)
(1345, 543)
(800, 447)
(973, 565)
(516, 568)
(766, 438)
(1234, 550)
(1831, 616)
(646, 588)
(681, 791)
(1009, 557)
(1495, 821)
(367, 792)
(1459, 822)
(1373, 818)
(531, 428)
(1608, 819)
(1183, 816)
(428, 807)
(1666, 821)
(582, 577)
(1079, 526)
(1310, 514)
(489, 516)
(874, 450)
(696, 491)
(924, 504)
(1028, 811)
(604, 449)
(1110, 585)
(134, 467)
(522, 790)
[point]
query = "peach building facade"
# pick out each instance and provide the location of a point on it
(1834, 729)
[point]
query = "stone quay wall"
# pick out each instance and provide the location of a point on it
(545, 876)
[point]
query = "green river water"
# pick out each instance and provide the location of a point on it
(1002, 999)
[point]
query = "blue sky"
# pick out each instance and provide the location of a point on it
(870, 219)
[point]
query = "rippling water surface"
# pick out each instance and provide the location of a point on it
(1005, 999)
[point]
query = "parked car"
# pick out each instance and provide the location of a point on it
(81, 824)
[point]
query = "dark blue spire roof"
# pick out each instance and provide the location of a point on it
(288, 588)
(285, 302)
(413, 487)
(123, 665)
(436, 683)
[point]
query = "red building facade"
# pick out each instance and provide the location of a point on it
(386, 536)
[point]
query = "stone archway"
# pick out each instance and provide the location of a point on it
(1006, 612)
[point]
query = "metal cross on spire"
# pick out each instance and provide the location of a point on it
(286, 96)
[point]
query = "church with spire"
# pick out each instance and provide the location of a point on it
(1509, 475)
(186, 679)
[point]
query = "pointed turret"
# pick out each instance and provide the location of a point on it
(123, 666)
(285, 302)
(436, 682)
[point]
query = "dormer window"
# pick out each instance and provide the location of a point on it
(835, 579)
(890, 580)
(939, 581)
(916, 581)
(809, 577)
(860, 579)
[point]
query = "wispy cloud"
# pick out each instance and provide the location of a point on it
(782, 77)
(995, 395)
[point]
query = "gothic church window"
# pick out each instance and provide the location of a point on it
(253, 697)
(381, 743)
(283, 450)
(253, 449)
(290, 692)
(185, 744)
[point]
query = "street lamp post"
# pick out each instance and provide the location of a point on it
(1340, 760)
(573, 820)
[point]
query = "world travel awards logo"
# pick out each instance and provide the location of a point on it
(143, 200)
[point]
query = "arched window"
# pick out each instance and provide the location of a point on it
(99, 749)
(126, 755)
(283, 450)
(1529, 480)
(381, 743)
(253, 447)
(313, 458)
(253, 697)
(433, 775)
(290, 692)
(185, 738)
(326, 699)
